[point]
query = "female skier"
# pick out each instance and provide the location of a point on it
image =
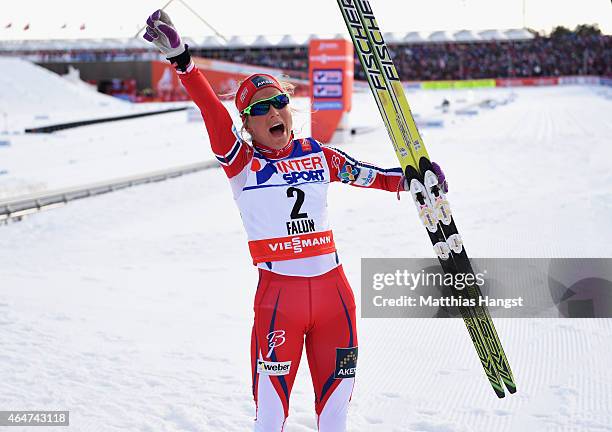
(279, 183)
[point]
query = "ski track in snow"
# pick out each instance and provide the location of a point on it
(133, 310)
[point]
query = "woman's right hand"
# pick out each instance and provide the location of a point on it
(162, 33)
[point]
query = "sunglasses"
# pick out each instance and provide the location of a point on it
(261, 107)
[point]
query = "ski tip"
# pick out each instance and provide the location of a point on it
(499, 391)
(511, 388)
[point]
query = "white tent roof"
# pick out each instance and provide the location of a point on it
(72, 44)
(311, 36)
(439, 36)
(288, 40)
(413, 37)
(108, 43)
(141, 43)
(491, 35)
(325, 36)
(35, 45)
(237, 42)
(111, 43)
(212, 42)
(189, 41)
(56, 45)
(85, 44)
(393, 37)
(519, 34)
(465, 36)
(7, 45)
(262, 41)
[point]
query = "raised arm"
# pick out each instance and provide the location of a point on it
(230, 150)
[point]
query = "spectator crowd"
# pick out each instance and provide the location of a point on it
(584, 51)
(569, 53)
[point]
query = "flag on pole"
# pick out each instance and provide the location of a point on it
(64, 26)
(9, 25)
(27, 27)
(82, 26)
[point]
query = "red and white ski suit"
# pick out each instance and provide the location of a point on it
(302, 293)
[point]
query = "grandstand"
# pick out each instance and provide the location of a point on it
(440, 55)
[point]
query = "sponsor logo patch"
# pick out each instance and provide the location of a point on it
(336, 162)
(346, 363)
(327, 76)
(348, 173)
(306, 169)
(306, 146)
(263, 173)
(327, 91)
(243, 94)
(366, 177)
(275, 339)
(327, 105)
(309, 168)
(260, 81)
(273, 368)
(328, 46)
(298, 244)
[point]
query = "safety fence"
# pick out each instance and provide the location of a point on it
(18, 207)
(61, 126)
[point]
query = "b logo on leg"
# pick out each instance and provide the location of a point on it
(275, 338)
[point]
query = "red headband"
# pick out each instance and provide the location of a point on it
(251, 85)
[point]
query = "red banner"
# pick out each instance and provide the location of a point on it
(526, 82)
(292, 247)
(225, 77)
(166, 83)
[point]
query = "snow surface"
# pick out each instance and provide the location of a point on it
(133, 309)
(32, 96)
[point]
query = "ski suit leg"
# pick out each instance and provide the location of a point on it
(331, 348)
(281, 315)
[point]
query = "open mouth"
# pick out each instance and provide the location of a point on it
(277, 130)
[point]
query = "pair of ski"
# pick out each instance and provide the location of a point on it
(432, 205)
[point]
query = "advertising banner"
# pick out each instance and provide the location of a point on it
(331, 66)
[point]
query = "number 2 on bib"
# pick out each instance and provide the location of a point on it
(295, 212)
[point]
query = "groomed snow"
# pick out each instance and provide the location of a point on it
(133, 310)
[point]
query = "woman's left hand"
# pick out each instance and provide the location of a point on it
(162, 33)
(437, 169)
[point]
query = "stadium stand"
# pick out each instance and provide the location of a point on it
(462, 55)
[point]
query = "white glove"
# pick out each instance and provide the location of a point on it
(162, 33)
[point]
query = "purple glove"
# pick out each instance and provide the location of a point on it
(162, 33)
(441, 177)
(437, 170)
